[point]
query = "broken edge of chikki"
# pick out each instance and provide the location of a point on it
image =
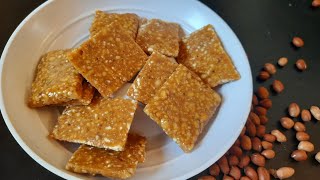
(112, 164)
(183, 106)
(203, 53)
(127, 23)
(86, 97)
(155, 35)
(151, 77)
(56, 81)
(104, 123)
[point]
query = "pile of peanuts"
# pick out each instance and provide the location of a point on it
(246, 159)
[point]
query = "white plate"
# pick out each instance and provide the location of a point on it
(64, 24)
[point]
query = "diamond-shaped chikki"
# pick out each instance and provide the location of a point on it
(153, 74)
(113, 164)
(203, 53)
(160, 36)
(127, 23)
(108, 60)
(104, 123)
(183, 106)
(56, 81)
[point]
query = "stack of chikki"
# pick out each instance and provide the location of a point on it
(203, 53)
(114, 164)
(127, 23)
(183, 106)
(104, 123)
(159, 36)
(154, 73)
(57, 82)
(108, 60)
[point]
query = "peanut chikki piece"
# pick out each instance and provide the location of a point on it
(104, 123)
(108, 60)
(153, 74)
(127, 23)
(160, 36)
(113, 164)
(203, 53)
(56, 81)
(86, 97)
(183, 106)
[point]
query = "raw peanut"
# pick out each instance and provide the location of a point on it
(243, 131)
(297, 41)
(236, 150)
(260, 110)
(263, 92)
(263, 119)
(317, 157)
(244, 161)
(305, 115)
(256, 144)
(279, 135)
(266, 103)
(282, 61)
(233, 160)
(214, 170)
(261, 130)
(294, 110)
(315, 111)
(263, 75)
(306, 146)
(286, 122)
(268, 153)
(282, 173)
(254, 100)
(266, 145)
(235, 172)
(302, 136)
(277, 86)
(299, 155)
(298, 126)
(254, 118)
(237, 142)
(251, 173)
(301, 65)
(269, 137)
(316, 3)
(258, 159)
(270, 68)
(226, 177)
(251, 129)
(223, 164)
(246, 143)
(263, 173)
(245, 178)
(206, 178)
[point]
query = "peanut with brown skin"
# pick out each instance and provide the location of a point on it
(223, 165)
(279, 135)
(258, 159)
(283, 172)
(263, 92)
(245, 178)
(268, 153)
(206, 178)
(266, 145)
(237, 143)
(263, 173)
(244, 161)
(233, 160)
(246, 143)
(266, 103)
(270, 68)
(260, 110)
(315, 111)
(256, 144)
(294, 110)
(298, 126)
(301, 65)
(286, 122)
(277, 86)
(214, 170)
(251, 173)
(254, 100)
(261, 131)
(306, 146)
(302, 136)
(282, 61)
(264, 75)
(269, 137)
(251, 129)
(299, 155)
(315, 3)
(236, 150)
(226, 177)
(263, 120)
(317, 157)
(305, 115)
(235, 172)
(254, 118)
(243, 131)
(297, 41)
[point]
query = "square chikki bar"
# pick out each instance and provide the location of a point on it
(104, 123)
(160, 36)
(183, 106)
(127, 22)
(108, 60)
(153, 74)
(203, 53)
(56, 81)
(86, 97)
(112, 164)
